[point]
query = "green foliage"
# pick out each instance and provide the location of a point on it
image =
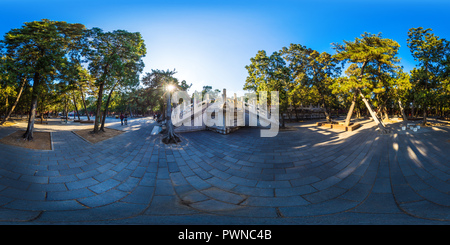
(207, 90)
(114, 60)
(152, 95)
(45, 47)
(370, 53)
(113, 54)
(313, 71)
(269, 73)
(372, 71)
(47, 58)
(430, 78)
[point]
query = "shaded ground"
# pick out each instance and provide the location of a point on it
(310, 175)
(288, 128)
(100, 136)
(42, 136)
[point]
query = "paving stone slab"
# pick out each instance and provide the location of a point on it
(306, 175)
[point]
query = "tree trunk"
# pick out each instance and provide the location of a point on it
(6, 104)
(337, 111)
(99, 107)
(327, 113)
(350, 111)
(65, 109)
(369, 107)
(385, 112)
(105, 112)
(402, 110)
(84, 104)
(28, 135)
(425, 106)
(283, 123)
(76, 108)
(289, 115)
(171, 137)
(15, 103)
(372, 113)
(424, 122)
(378, 112)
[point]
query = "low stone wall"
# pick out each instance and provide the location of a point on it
(223, 130)
(182, 129)
(351, 127)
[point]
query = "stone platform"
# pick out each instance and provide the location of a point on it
(340, 126)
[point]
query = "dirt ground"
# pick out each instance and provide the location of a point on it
(287, 128)
(8, 123)
(95, 138)
(41, 140)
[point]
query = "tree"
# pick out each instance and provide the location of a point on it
(383, 72)
(84, 83)
(369, 50)
(128, 76)
(346, 86)
(430, 52)
(154, 83)
(313, 69)
(183, 86)
(269, 73)
(401, 90)
(45, 45)
(170, 84)
(109, 54)
(13, 75)
(6, 85)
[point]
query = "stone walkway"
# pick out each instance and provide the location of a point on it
(305, 175)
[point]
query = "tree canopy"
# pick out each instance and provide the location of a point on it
(45, 47)
(373, 73)
(53, 66)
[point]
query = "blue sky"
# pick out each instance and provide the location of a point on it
(211, 42)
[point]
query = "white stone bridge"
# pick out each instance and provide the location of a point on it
(225, 115)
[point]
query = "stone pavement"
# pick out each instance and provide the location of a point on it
(305, 175)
